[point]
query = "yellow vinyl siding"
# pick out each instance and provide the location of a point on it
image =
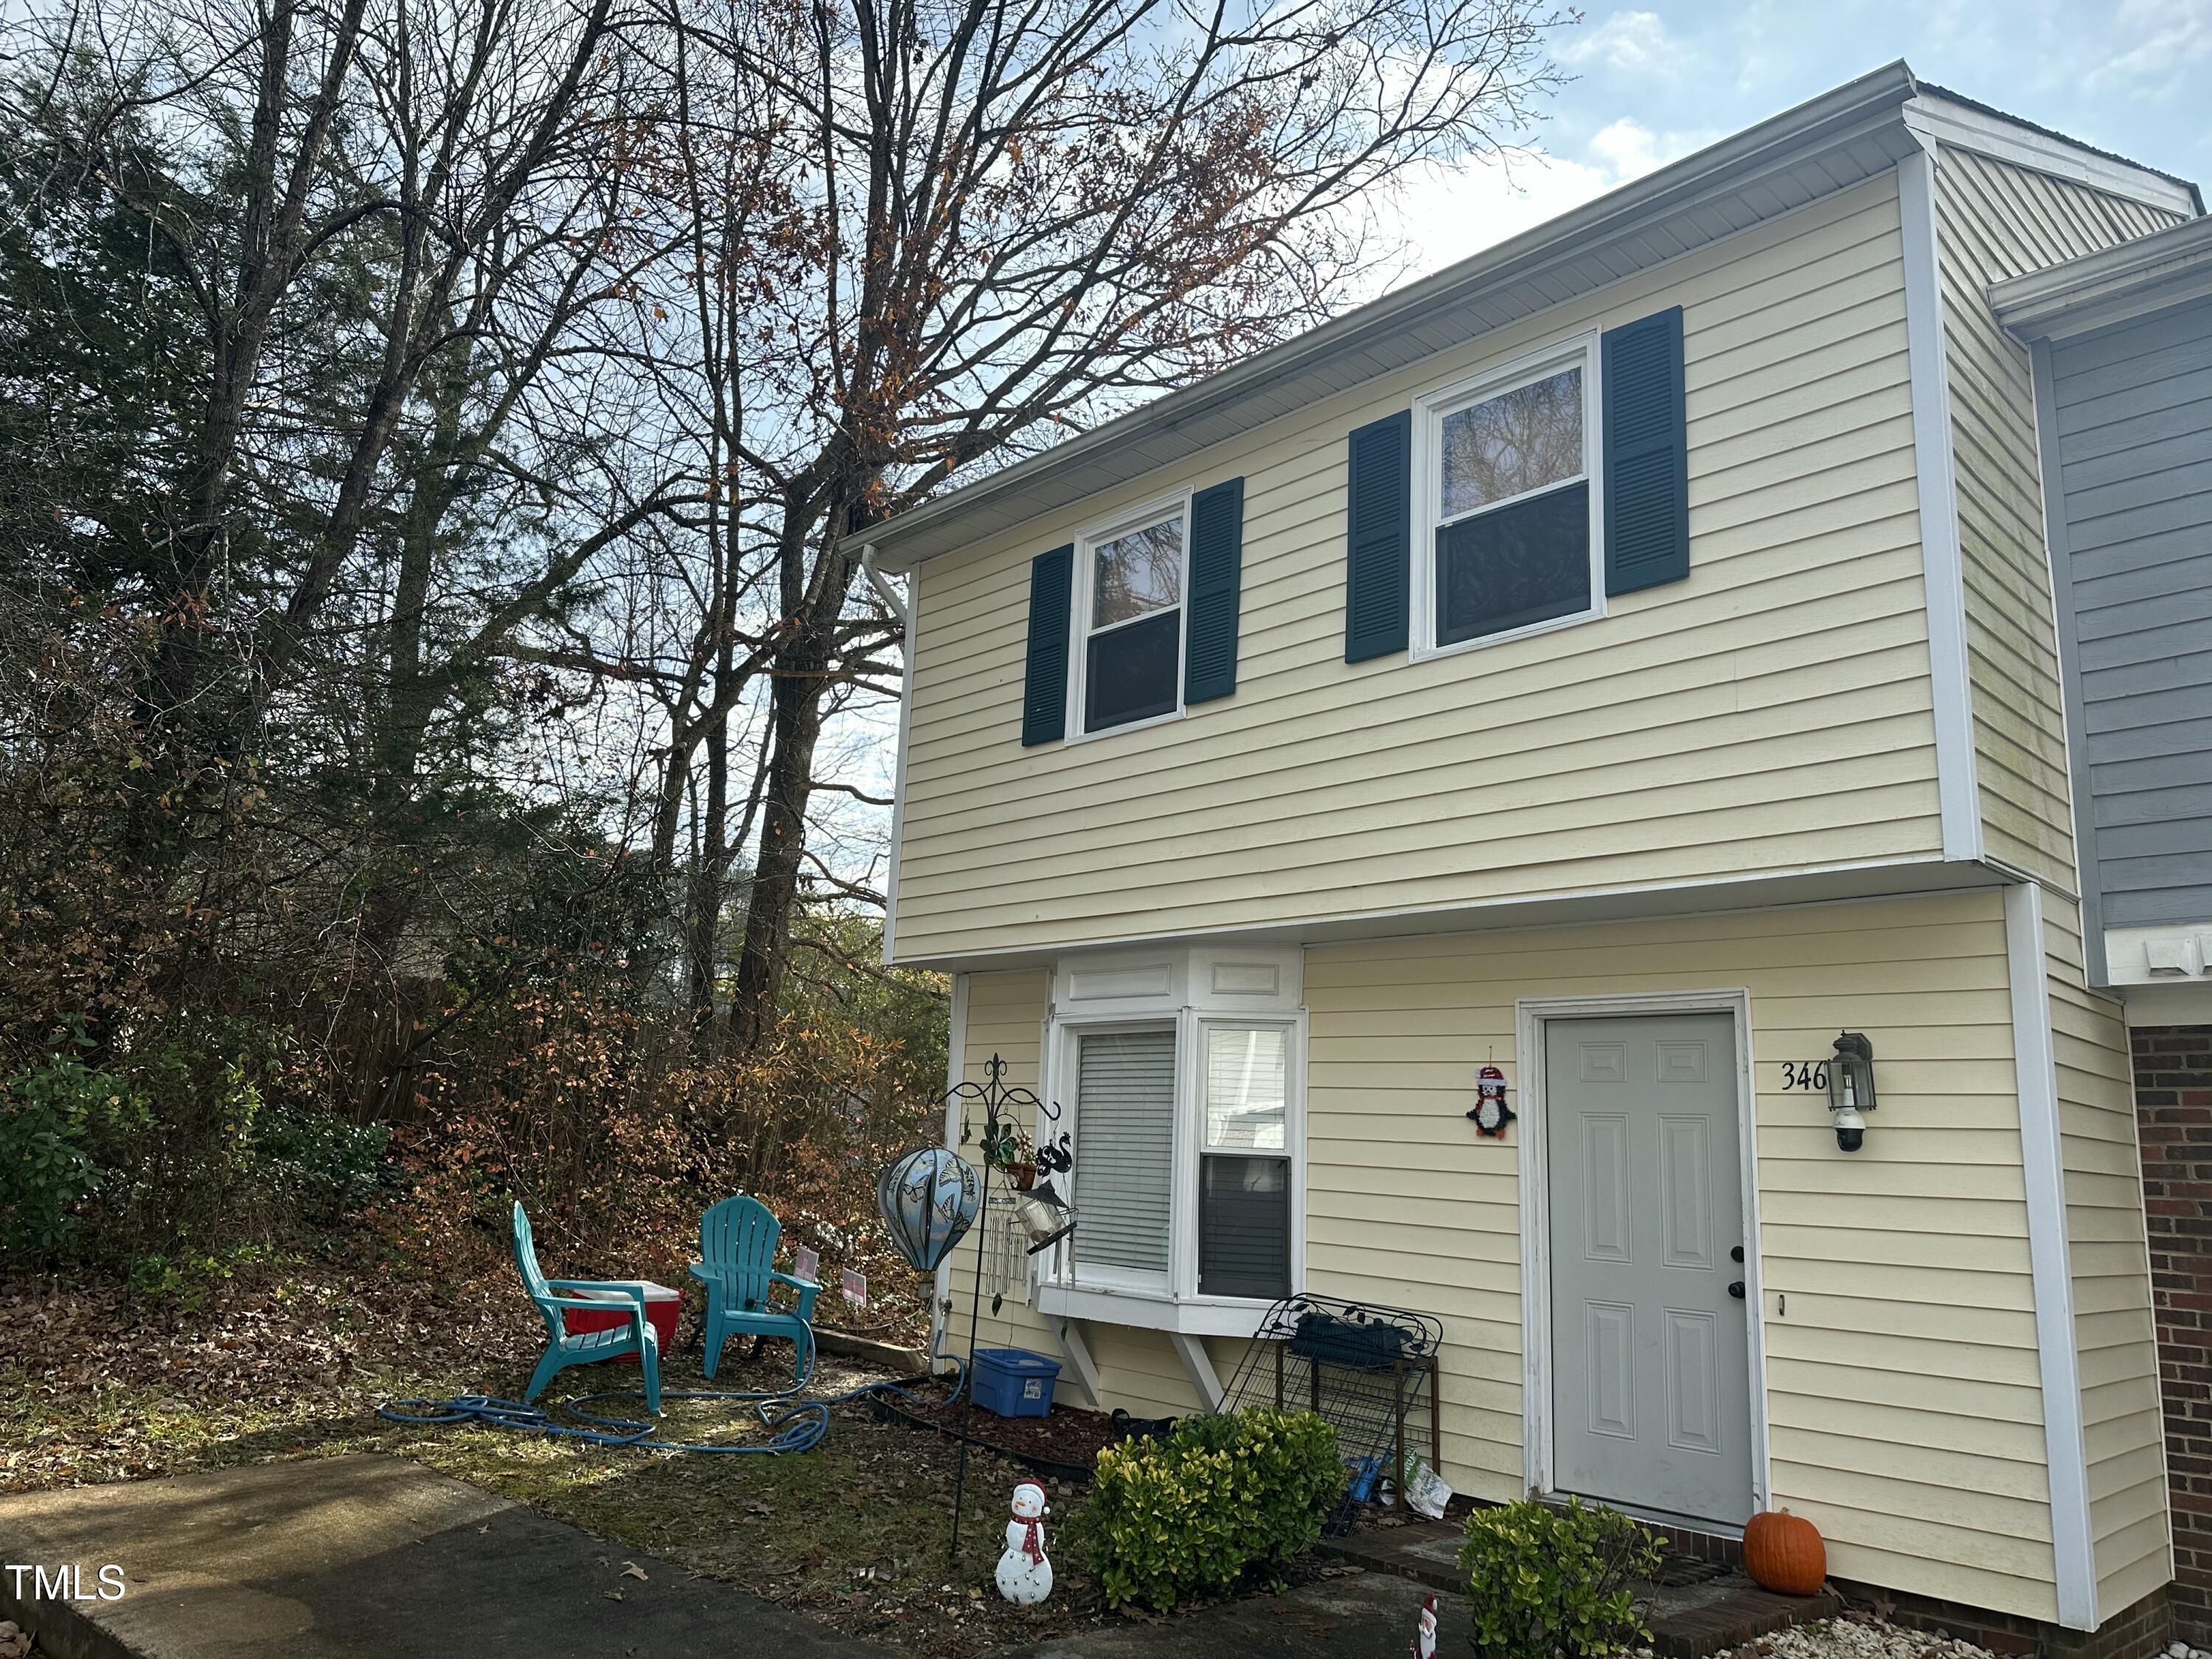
(1903, 1395)
(1695, 734)
(1994, 221)
(2114, 1334)
(1005, 1017)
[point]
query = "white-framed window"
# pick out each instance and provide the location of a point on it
(1508, 507)
(1187, 1105)
(1245, 1167)
(1132, 576)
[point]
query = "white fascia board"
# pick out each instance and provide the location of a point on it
(2044, 1174)
(1829, 883)
(1838, 139)
(1942, 562)
(1964, 127)
(2133, 279)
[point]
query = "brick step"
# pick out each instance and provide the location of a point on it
(1696, 1608)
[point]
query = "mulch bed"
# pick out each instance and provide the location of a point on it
(1064, 1443)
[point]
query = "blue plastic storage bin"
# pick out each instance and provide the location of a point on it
(1014, 1381)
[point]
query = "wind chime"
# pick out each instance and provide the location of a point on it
(931, 1197)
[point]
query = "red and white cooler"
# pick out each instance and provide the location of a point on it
(661, 1307)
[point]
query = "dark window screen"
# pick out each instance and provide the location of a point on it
(1131, 671)
(1245, 1227)
(1524, 563)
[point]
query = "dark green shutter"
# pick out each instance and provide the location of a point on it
(1044, 696)
(1647, 470)
(1378, 515)
(1217, 562)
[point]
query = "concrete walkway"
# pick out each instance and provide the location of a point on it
(1362, 1616)
(351, 1557)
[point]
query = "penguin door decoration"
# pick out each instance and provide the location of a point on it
(1024, 1575)
(1491, 1114)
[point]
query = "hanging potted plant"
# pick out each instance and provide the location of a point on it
(1014, 1156)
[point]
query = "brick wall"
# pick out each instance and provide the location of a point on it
(2173, 1111)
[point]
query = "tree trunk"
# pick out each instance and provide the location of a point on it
(800, 681)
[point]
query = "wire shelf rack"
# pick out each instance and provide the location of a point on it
(1367, 1369)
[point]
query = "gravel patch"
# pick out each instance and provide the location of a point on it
(1858, 1635)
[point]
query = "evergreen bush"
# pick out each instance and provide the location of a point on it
(1189, 1514)
(1550, 1582)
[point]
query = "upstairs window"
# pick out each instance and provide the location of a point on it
(1506, 471)
(1130, 667)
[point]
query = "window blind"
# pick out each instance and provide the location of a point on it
(1125, 1149)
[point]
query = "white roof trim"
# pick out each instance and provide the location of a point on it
(2110, 286)
(1755, 175)
(1964, 127)
(1857, 130)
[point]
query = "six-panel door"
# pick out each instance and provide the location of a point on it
(1650, 1375)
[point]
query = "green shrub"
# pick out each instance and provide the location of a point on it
(1547, 1582)
(314, 1166)
(55, 1115)
(1189, 1514)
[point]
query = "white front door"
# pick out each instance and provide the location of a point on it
(1650, 1368)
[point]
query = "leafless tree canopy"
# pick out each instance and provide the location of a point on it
(433, 433)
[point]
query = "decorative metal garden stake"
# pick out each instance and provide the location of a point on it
(999, 1104)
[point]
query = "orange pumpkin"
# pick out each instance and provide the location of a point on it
(1783, 1552)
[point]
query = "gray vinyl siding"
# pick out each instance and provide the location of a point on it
(2132, 420)
(1998, 220)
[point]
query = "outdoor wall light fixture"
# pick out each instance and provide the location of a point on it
(1851, 1089)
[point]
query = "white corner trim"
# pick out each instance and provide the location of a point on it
(956, 1068)
(2073, 1544)
(1942, 567)
(1069, 1335)
(903, 609)
(1529, 1015)
(1191, 1351)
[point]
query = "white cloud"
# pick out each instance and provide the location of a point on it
(1629, 149)
(1452, 213)
(2168, 38)
(1626, 40)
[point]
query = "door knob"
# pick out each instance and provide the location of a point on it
(1736, 1254)
(1735, 1290)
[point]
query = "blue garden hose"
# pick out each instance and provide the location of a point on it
(799, 1426)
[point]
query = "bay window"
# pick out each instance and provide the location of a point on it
(1125, 1095)
(1186, 1106)
(1245, 1187)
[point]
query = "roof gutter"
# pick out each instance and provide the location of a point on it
(2148, 274)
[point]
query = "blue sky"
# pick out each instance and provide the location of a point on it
(1657, 80)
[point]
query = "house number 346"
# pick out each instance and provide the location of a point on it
(1809, 1074)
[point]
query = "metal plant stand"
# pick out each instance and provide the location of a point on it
(1364, 1368)
(1002, 1107)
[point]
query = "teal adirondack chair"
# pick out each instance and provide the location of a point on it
(565, 1350)
(737, 1264)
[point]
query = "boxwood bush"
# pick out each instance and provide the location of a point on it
(1189, 1514)
(1552, 1582)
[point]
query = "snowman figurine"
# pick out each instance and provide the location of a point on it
(1024, 1575)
